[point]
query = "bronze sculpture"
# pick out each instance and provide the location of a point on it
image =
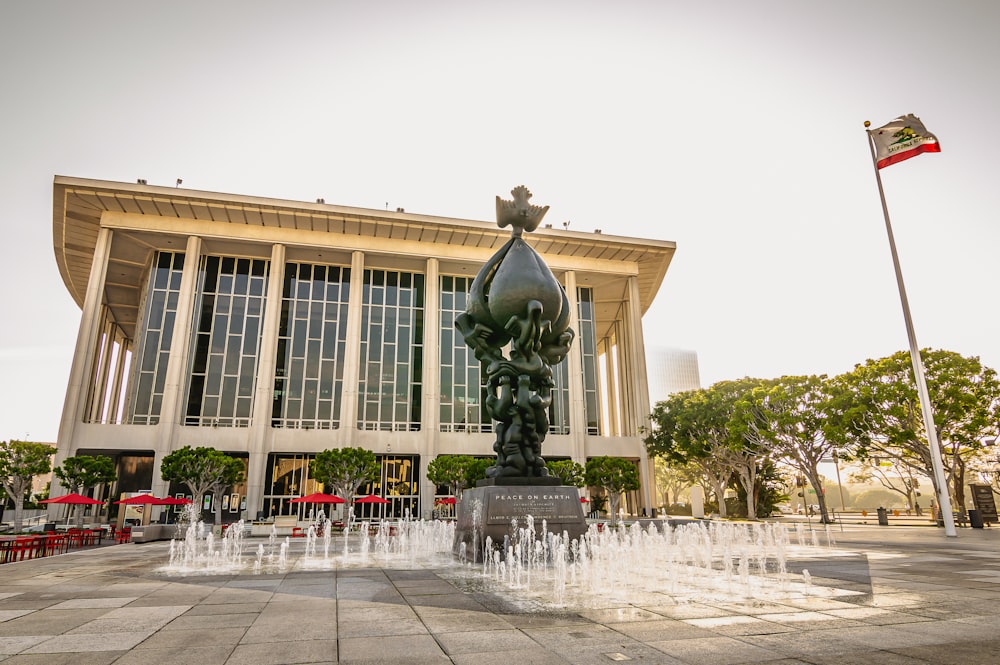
(516, 299)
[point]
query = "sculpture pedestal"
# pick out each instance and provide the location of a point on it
(491, 509)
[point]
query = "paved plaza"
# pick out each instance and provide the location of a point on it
(911, 596)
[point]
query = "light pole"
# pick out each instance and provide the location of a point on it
(836, 465)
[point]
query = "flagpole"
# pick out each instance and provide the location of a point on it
(944, 499)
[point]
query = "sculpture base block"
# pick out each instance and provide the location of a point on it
(490, 511)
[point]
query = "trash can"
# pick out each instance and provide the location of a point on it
(883, 517)
(975, 519)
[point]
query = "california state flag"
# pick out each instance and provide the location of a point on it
(901, 139)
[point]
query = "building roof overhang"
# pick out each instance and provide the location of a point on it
(80, 206)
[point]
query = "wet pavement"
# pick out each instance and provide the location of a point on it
(890, 595)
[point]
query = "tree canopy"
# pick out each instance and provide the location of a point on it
(20, 462)
(203, 470)
(79, 472)
(82, 471)
(569, 472)
(878, 412)
(344, 470)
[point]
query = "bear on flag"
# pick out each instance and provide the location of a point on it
(901, 139)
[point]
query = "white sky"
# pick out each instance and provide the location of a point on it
(733, 128)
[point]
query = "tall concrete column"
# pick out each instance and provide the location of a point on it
(352, 351)
(577, 395)
(611, 387)
(260, 424)
(640, 391)
(175, 382)
(83, 355)
(93, 410)
(430, 414)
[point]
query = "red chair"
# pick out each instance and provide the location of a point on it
(124, 535)
(56, 544)
(75, 537)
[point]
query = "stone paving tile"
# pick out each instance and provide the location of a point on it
(664, 629)
(392, 649)
(288, 627)
(348, 629)
(7, 615)
(181, 639)
(717, 650)
(230, 608)
(870, 656)
(955, 653)
(375, 612)
(129, 619)
(688, 611)
(70, 658)
(211, 621)
(84, 642)
(303, 651)
(448, 601)
(17, 644)
(620, 614)
(88, 603)
(484, 641)
(533, 656)
(734, 625)
(457, 621)
(48, 622)
(230, 595)
(188, 655)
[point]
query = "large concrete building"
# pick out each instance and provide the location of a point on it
(273, 329)
(670, 370)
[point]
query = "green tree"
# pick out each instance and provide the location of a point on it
(673, 480)
(878, 413)
(569, 472)
(20, 462)
(476, 470)
(80, 472)
(204, 470)
(791, 416)
(698, 427)
(344, 470)
(615, 475)
(450, 470)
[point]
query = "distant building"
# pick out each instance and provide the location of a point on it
(670, 371)
(273, 329)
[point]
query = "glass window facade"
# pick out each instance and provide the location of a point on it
(312, 335)
(399, 484)
(149, 362)
(587, 341)
(463, 398)
(226, 341)
(559, 408)
(287, 477)
(391, 351)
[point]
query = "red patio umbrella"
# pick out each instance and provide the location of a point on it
(371, 498)
(142, 499)
(584, 499)
(74, 499)
(450, 500)
(318, 497)
(173, 501)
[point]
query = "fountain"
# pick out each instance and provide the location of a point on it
(535, 567)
